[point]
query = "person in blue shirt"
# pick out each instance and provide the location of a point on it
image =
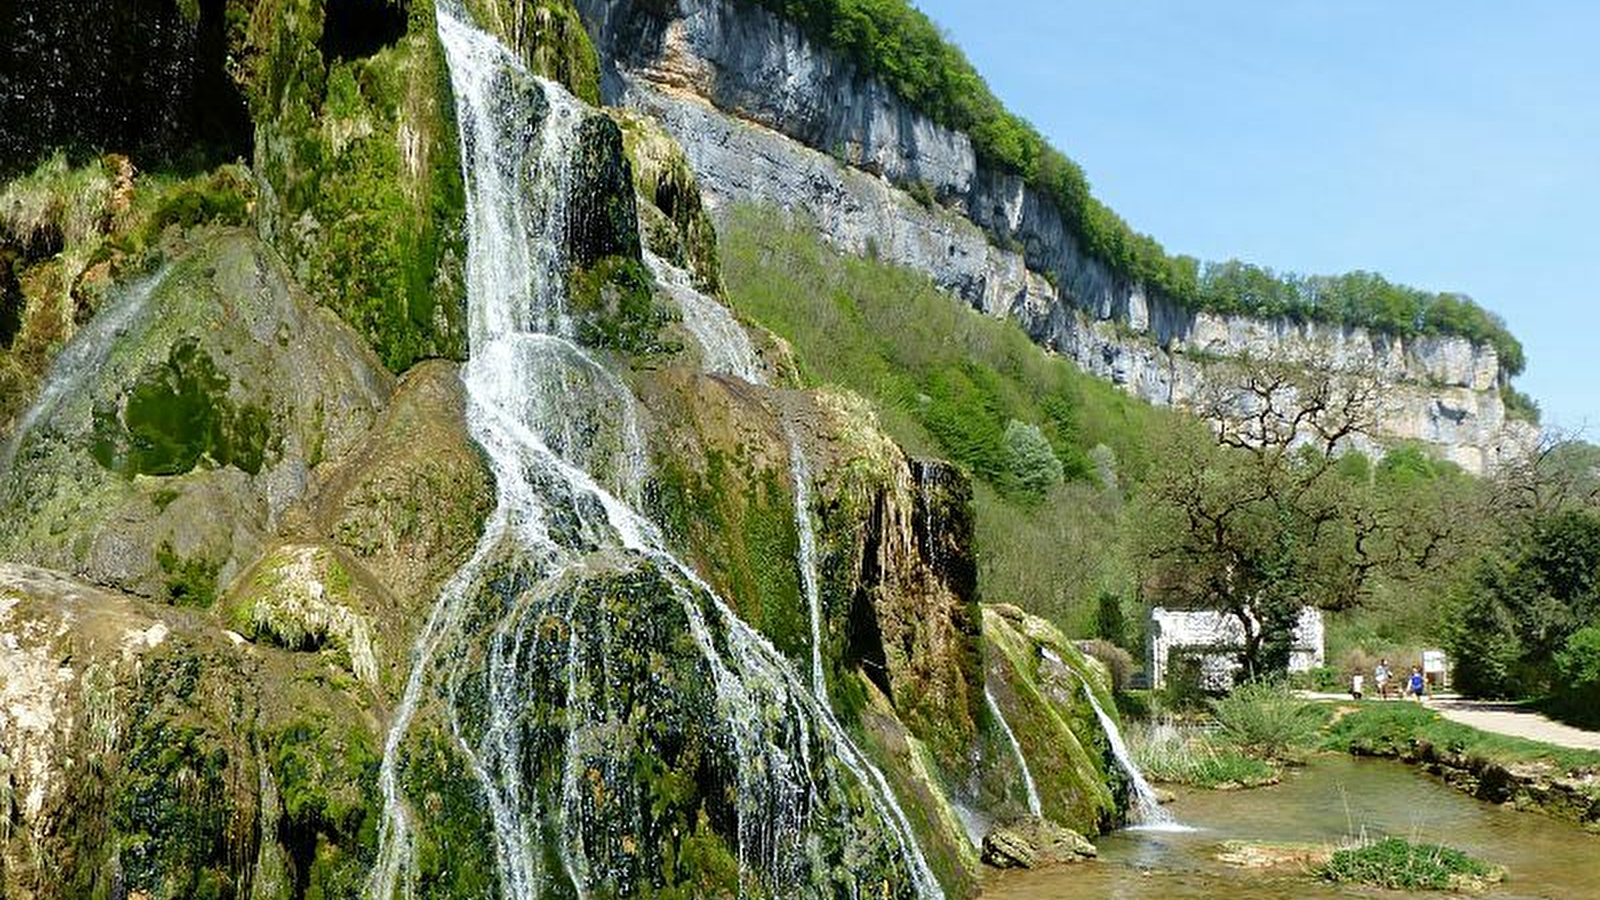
(1416, 686)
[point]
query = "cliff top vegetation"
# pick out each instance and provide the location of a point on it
(895, 42)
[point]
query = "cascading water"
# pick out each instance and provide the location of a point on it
(85, 353)
(1146, 811)
(572, 651)
(726, 350)
(724, 346)
(1034, 806)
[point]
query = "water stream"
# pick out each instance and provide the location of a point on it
(1016, 750)
(531, 672)
(1331, 801)
(84, 354)
(1144, 809)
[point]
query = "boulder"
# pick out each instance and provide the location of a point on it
(1034, 842)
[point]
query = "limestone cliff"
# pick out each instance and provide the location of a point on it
(769, 116)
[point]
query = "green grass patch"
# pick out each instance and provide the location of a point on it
(1396, 729)
(1399, 864)
(1190, 757)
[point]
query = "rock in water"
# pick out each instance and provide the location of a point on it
(1033, 842)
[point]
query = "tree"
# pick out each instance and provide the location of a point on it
(1031, 466)
(1260, 517)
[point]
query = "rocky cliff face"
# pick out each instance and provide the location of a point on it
(768, 116)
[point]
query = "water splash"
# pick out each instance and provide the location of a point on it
(531, 673)
(1034, 806)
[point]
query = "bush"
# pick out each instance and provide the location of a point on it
(1399, 864)
(1266, 720)
(1577, 695)
(1117, 661)
(1031, 465)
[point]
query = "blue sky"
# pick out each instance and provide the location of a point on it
(1448, 145)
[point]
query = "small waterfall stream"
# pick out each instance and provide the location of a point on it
(1146, 811)
(83, 354)
(1034, 806)
(528, 672)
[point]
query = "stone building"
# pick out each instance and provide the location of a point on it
(1211, 641)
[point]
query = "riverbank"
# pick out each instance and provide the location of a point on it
(1332, 801)
(1559, 781)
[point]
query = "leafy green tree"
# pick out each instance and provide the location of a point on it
(1261, 517)
(1031, 464)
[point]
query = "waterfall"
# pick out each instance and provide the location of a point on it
(1034, 806)
(726, 350)
(800, 471)
(724, 346)
(530, 673)
(83, 355)
(1146, 810)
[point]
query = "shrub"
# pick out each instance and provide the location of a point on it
(1117, 661)
(1031, 465)
(1266, 720)
(1577, 695)
(1399, 864)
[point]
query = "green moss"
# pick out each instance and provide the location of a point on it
(326, 773)
(615, 305)
(550, 37)
(368, 203)
(678, 227)
(179, 413)
(189, 581)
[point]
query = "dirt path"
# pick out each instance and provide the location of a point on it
(1514, 721)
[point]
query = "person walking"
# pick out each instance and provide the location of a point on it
(1417, 685)
(1380, 679)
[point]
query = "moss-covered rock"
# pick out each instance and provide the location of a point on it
(150, 753)
(672, 216)
(70, 234)
(1039, 680)
(184, 427)
(356, 139)
(550, 38)
(407, 508)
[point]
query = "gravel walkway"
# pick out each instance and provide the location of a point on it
(1514, 721)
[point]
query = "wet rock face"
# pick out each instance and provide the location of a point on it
(176, 435)
(141, 78)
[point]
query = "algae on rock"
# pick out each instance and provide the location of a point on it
(109, 481)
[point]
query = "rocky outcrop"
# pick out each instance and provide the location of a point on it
(1033, 842)
(180, 431)
(767, 116)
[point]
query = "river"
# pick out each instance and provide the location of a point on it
(1332, 798)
